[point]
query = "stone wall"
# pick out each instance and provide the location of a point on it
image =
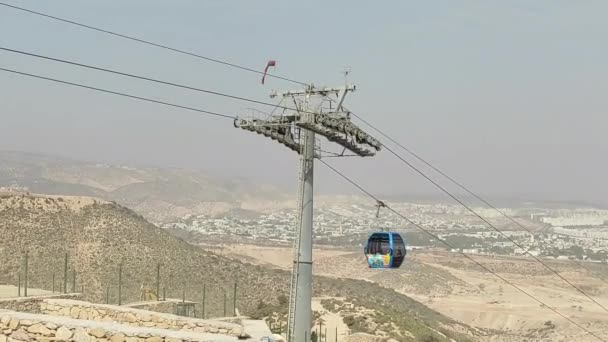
(20, 326)
(166, 306)
(135, 317)
(32, 304)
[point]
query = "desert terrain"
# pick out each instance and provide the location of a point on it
(108, 245)
(97, 227)
(459, 289)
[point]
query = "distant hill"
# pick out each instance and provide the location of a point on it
(99, 236)
(160, 194)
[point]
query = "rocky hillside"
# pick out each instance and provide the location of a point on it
(99, 236)
(160, 194)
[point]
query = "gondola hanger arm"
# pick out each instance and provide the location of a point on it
(379, 204)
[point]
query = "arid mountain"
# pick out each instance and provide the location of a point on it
(159, 194)
(99, 236)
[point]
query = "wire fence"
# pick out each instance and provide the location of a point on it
(33, 273)
(119, 284)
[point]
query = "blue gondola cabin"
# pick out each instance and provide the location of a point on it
(385, 250)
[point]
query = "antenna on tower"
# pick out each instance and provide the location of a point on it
(346, 71)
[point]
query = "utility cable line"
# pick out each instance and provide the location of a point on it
(211, 92)
(342, 175)
(333, 154)
(462, 253)
(147, 42)
(117, 93)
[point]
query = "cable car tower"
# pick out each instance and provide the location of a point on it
(317, 111)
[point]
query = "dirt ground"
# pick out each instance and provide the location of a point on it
(9, 291)
(471, 295)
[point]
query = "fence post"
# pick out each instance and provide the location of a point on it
(19, 285)
(158, 280)
(204, 299)
(234, 299)
(224, 303)
(74, 281)
(184, 294)
(164, 293)
(25, 284)
(107, 295)
(319, 337)
(65, 274)
(82, 290)
(53, 282)
(120, 284)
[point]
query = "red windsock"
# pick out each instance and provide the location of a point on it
(270, 64)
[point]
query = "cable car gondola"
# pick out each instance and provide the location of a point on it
(384, 249)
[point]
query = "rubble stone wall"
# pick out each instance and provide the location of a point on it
(32, 304)
(135, 317)
(20, 326)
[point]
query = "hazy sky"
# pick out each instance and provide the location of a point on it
(509, 97)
